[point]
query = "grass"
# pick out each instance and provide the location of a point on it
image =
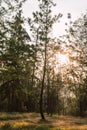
(32, 121)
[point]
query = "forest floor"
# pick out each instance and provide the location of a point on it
(30, 121)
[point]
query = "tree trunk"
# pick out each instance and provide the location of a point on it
(41, 99)
(81, 109)
(42, 87)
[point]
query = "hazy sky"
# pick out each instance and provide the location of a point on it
(75, 7)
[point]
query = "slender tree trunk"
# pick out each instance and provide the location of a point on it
(48, 104)
(33, 76)
(43, 85)
(81, 109)
(41, 98)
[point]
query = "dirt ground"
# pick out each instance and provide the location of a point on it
(33, 119)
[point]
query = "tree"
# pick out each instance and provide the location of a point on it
(44, 21)
(15, 55)
(77, 42)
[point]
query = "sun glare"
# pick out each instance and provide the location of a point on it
(63, 59)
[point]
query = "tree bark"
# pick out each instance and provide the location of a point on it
(41, 99)
(43, 85)
(42, 88)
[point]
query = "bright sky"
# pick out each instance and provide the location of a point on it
(75, 7)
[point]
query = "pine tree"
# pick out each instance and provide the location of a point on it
(42, 26)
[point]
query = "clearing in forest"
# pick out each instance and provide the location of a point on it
(30, 121)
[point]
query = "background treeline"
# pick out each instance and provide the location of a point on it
(31, 77)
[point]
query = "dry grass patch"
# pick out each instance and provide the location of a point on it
(29, 121)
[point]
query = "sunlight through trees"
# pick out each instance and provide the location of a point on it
(39, 73)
